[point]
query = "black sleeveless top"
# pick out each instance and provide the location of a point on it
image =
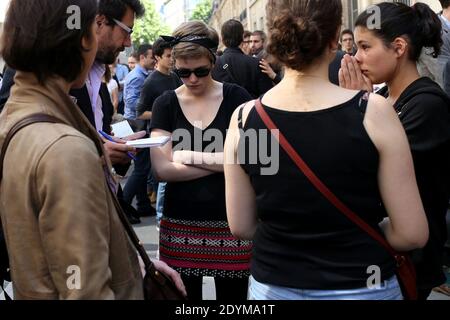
(302, 240)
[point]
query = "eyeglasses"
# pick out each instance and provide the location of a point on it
(124, 27)
(199, 72)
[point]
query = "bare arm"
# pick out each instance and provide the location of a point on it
(208, 161)
(165, 169)
(115, 99)
(407, 226)
(240, 196)
(147, 115)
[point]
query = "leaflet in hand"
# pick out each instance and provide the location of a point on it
(122, 129)
(149, 143)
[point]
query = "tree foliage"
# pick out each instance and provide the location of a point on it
(148, 28)
(203, 11)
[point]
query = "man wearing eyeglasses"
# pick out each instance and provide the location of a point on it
(348, 42)
(115, 21)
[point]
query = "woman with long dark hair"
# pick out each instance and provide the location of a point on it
(388, 54)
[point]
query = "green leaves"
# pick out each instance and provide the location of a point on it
(203, 11)
(148, 28)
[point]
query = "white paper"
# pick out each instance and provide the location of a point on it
(149, 143)
(122, 129)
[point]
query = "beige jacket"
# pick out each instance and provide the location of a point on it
(64, 237)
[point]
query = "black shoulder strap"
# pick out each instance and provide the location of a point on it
(35, 118)
(363, 102)
(240, 116)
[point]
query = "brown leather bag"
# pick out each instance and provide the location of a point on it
(405, 269)
(157, 286)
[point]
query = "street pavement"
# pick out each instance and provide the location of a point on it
(149, 236)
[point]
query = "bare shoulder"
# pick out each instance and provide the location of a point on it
(382, 123)
(379, 109)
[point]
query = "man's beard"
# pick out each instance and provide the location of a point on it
(108, 56)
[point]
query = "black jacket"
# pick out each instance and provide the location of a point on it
(424, 110)
(335, 66)
(235, 67)
(84, 102)
(8, 82)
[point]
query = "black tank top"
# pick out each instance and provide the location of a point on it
(302, 240)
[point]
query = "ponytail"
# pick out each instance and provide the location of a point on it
(429, 28)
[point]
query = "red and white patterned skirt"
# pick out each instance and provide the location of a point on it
(204, 248)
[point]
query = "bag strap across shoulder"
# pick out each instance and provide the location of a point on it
(327, 193)
(35, 118)
(45, 118)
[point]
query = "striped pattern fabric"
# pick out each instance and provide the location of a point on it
(204, 248)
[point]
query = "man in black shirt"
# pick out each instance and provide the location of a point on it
(161, 80)
(235, 67)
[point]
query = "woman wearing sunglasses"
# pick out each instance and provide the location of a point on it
(195, 238)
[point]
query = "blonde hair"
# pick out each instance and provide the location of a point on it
(187, 50)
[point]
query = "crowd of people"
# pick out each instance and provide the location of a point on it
(257, 132)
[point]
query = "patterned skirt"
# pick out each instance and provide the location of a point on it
(204, 248)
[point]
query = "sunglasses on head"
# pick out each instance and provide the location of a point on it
(199, 72)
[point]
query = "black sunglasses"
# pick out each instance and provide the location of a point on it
(199, 72)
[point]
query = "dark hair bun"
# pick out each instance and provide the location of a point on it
(300, 31)
(294, 41)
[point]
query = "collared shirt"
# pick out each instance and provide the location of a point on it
(134, 83)
(93, 83)
(445, 21)
(121, 74)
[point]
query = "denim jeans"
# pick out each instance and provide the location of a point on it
(137, 183)
(160, 202)
(389, 291)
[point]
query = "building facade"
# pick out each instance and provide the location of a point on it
(252, 13)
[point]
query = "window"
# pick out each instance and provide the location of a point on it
(354, 12)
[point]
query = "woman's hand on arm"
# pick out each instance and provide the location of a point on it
(166, 169)
(207, 161)
(407, 226)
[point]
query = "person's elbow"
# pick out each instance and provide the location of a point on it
(242, 233)
(160, 171)
(243, 230)
(414, 237)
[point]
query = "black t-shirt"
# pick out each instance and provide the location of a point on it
(155, 85)
(200, 199)
(424, 110)
(302, 240)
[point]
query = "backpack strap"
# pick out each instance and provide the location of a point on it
(35, 118)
